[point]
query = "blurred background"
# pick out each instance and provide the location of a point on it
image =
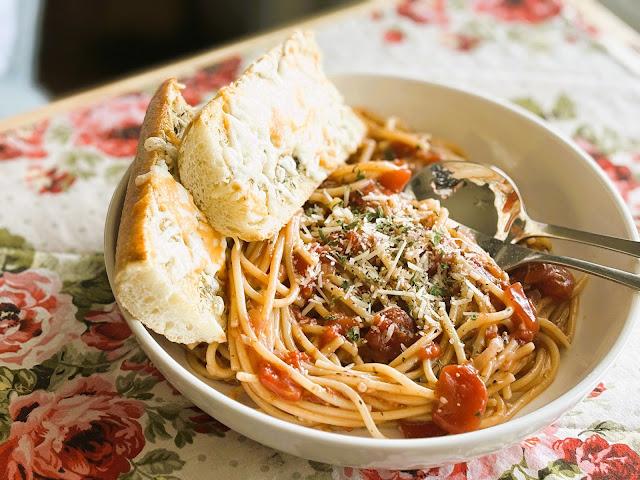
(105, 39)
(53, 48)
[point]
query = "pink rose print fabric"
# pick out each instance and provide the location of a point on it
(459, 471)
(424, 11)
(393, 36)
(532, 11)
(84, 430)
(201, 86)
(49, 180)
(107, 331)
(79, 399)
(621, 175)
(26, 142)
(599, 459)
(599, 390)
(35, 318)
(112, 127)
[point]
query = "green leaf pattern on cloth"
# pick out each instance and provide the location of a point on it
(15, 253)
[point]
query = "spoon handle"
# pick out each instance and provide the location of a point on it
(630, 247)
(619, 276)
(509, 256)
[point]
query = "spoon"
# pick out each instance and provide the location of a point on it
(486, 199)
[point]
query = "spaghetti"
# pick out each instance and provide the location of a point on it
(371, 308)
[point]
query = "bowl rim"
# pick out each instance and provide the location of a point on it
(553, 409)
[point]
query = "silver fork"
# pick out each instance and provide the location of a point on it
(509, 256)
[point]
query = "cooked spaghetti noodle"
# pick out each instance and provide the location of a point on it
(371, 308)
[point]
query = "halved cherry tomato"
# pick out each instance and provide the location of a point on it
(552, 280)
(420, 429)
(461, 399)
(395, 180)
(524, 316)
(279, 382)
(430, 350)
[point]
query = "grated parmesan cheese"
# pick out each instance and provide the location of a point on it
(411, 258)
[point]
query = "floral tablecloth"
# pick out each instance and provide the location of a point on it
(78, 397)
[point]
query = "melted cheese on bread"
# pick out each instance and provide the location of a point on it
(255, 153)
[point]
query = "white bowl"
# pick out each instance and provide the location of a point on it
(560, 184)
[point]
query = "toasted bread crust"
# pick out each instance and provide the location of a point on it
(130, 246)
(168, 258)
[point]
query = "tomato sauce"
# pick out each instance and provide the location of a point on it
(278, 382)
(415, 158)
(359, 241)
(510, 201)
(300, 265)
(256, 317)
(300, 318)
(461, 399)
(294, 359)
(420, 429)
(491, 332)
(336, 327)
(355, 241)
(329, 335)
(490, 271)
(402, 150)
(323, 252)
(383, 347)
(524, 313)
(356, 197)
(394, 181)
(306, 291)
